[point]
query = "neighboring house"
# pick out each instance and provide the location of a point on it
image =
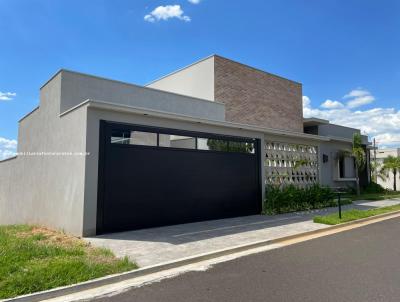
(202, 143)
(381, 154)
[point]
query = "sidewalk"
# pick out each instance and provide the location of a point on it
(158, 245)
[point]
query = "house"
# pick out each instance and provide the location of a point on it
(100, 155)
(380, 155)
(336, 170)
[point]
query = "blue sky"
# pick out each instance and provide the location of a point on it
(335, 48)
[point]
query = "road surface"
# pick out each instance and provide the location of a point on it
(358, 265)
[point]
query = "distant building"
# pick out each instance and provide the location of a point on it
(381, 154)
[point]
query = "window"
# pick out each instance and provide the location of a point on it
(212, 144)
(341, 167)
(134, 138)
(177, 141)
(225, 145)
(154, 139)
(346, 167)
(120, 137)
(202, 143)
(242, 147)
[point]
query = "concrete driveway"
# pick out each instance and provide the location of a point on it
(159, 245)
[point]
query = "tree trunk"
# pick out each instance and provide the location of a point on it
(394, 180)
(357, 182)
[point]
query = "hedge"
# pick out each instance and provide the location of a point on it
(290, 198)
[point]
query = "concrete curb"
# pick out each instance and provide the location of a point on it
(66, 290)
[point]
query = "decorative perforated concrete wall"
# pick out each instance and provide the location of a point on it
(288, 163)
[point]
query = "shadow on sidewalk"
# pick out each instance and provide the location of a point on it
(185, 233)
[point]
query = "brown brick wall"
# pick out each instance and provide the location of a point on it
(254, 97)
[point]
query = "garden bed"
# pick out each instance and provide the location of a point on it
(292, 199)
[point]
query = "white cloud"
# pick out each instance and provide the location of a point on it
(194, 1)
(8, 147)
(357, 93)
(329, 104)
(7, 96)
(360, 101)
(383, 124)
(306, 101)
(167, 12)
(358, 97)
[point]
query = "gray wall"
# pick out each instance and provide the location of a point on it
(329, 171)
(46, 189)
(340, 131)
(336, 130)
(77, 88)
(196, 80)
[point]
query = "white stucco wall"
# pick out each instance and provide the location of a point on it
(381, 154)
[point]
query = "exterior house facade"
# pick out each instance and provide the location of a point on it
(99, 155)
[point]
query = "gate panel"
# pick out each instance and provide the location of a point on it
(149, 186)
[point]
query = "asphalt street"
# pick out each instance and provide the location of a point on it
(362, 264)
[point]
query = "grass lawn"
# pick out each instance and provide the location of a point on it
(34, 259)
(350, 215)
(375, 196)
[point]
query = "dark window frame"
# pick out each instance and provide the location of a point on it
(159, 130)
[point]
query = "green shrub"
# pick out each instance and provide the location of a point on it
(373, 187)
(291, 199)
(351, 190)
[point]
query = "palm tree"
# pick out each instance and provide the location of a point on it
(358, 154)
(392, 164)
(378, 172)
(360, 160)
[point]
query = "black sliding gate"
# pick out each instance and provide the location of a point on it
(152, 177)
